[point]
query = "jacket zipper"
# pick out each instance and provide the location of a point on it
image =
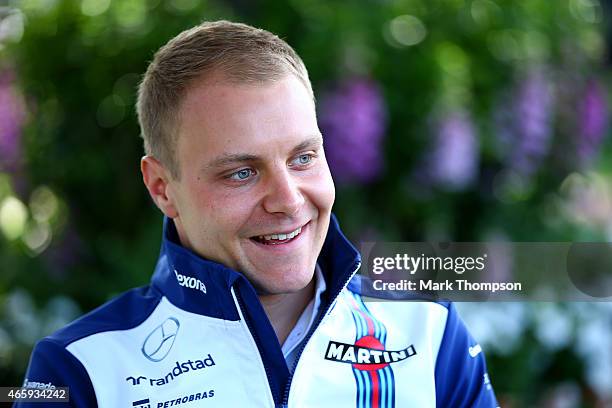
(257, 343)
(310, 334)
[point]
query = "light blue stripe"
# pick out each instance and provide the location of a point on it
(364, 324)
(377, 324)
(361, 325)
(383, 337)
(383, 388)
(357, 325)
(376, 327)
(360, 389)
(368, 387)
(391, 386)
(360, 306)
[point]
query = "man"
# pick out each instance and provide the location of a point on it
(254, 300)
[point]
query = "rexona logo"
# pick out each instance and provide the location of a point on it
(177, 370)
(158, 343)
(190, 282)
(366, 354)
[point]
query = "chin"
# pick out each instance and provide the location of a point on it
(276, 285)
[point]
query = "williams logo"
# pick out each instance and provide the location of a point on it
(366, 354)
(158, 343)
(190, 282)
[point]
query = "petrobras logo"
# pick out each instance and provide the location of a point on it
(177, 370)
(159, 342)
(366, 354)
(190, 282)
(185, 399)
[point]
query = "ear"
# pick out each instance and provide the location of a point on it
(157, 180)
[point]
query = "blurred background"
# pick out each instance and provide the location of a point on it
(465, 120)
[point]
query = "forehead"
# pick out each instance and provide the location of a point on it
(217, 117)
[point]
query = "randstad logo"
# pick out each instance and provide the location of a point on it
(179, 368)
(158, 343)
(190, 282)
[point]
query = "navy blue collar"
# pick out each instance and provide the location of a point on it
(201, 286)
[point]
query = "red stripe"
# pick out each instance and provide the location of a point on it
(375, 389)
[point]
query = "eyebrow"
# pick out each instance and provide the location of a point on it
(313, 142)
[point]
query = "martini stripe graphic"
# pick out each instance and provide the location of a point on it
(375, 382)
(387, 372)
(360, 395)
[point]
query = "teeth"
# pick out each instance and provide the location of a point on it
(282, 237)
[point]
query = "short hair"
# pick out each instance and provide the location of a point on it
(238, 52)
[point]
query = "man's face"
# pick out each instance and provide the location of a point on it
(255, 191)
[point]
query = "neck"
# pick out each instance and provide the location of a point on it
(285, 309)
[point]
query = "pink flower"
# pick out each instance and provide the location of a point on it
(353, 121)
(12, 117)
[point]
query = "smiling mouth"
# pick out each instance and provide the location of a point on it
(279, 238)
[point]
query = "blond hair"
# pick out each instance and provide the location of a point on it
(238, 52)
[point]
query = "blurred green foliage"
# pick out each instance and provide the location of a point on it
(511, 79)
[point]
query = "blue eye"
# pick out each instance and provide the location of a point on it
(241, 174)
(303, 159)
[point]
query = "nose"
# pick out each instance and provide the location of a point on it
(283, 194)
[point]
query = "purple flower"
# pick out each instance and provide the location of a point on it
(453, 162)
(592, 120)
(12, 116)
(524, 127)
(353, 121)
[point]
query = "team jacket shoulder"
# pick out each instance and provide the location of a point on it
(125, 311)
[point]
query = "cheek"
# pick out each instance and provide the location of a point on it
(225, 212)
(323, 191)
